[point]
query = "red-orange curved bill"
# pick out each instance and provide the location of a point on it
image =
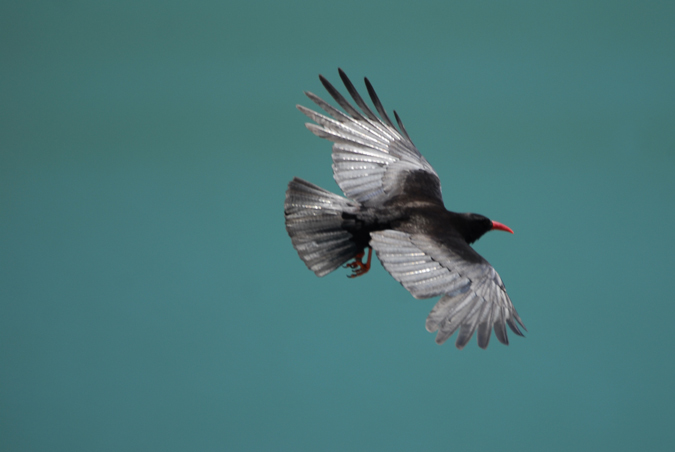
(501, 227)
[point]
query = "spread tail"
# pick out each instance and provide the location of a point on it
(314, 221)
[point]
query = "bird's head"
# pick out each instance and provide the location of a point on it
(476, 225)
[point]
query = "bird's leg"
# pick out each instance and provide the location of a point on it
(358, 267)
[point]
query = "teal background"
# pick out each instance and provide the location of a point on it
(150, 298)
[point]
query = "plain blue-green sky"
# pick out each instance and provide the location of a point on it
(150, 298)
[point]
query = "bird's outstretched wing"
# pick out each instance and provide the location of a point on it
(371, 158)
(474, 296)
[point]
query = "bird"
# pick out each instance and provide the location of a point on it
(393, 205)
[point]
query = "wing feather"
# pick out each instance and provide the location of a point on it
(361, 139)
(356, 96)
(400, 125)
(378, 104)
(473, 295)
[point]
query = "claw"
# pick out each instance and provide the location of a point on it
(358, 267)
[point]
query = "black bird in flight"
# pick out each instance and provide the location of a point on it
(394, 206)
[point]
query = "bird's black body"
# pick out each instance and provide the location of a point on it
(395, 206)
(455, 230)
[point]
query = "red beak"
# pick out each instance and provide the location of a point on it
(501, 227)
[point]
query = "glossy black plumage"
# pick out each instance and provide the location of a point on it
(394, 205)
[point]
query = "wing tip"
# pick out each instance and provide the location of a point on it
(514, 327)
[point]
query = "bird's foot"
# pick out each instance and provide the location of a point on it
(358, 266)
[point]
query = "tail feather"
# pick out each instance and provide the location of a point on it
(314, 223)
